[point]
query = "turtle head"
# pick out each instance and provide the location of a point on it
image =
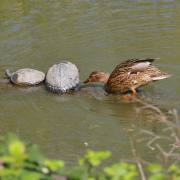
(97, 76)
(8, 73)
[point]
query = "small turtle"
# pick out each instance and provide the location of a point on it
(26, 77)
(62, 77)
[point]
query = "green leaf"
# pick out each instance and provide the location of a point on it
(155, 168)
(17, 148)
(95, 158)
(77, 173)
(175, 171)
(91, 178)
(122, 171)
(34, 154)
(4, 172)
(27, 175)
(54, 165)
(17, 151)
(7, 159)
(158, 172)
(159, 176)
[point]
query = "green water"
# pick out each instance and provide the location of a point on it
(93, 34)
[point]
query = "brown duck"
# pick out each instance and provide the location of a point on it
(128, 76)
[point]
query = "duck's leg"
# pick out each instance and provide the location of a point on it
(134, 93)
(130, 97)
(127, 98)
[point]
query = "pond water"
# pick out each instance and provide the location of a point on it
(94, 35)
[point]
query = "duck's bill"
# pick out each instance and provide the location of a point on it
(86, 81)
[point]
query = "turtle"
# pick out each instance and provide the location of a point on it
(25, 77)
(62, 77)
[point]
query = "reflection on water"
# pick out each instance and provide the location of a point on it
(93, 35)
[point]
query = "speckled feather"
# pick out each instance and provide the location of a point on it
(123, 78)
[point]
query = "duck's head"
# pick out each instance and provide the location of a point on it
(97, 76)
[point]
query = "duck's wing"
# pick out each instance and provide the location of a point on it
(134, 65)
(129, 66)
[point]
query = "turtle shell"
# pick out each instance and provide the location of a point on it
(27, 77)
(62, 77)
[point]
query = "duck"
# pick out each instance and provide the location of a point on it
(128, 76)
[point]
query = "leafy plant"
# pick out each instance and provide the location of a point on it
(20, 161)
(123, 171)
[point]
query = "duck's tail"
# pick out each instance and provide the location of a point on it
(163, 76)
(156, 74)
